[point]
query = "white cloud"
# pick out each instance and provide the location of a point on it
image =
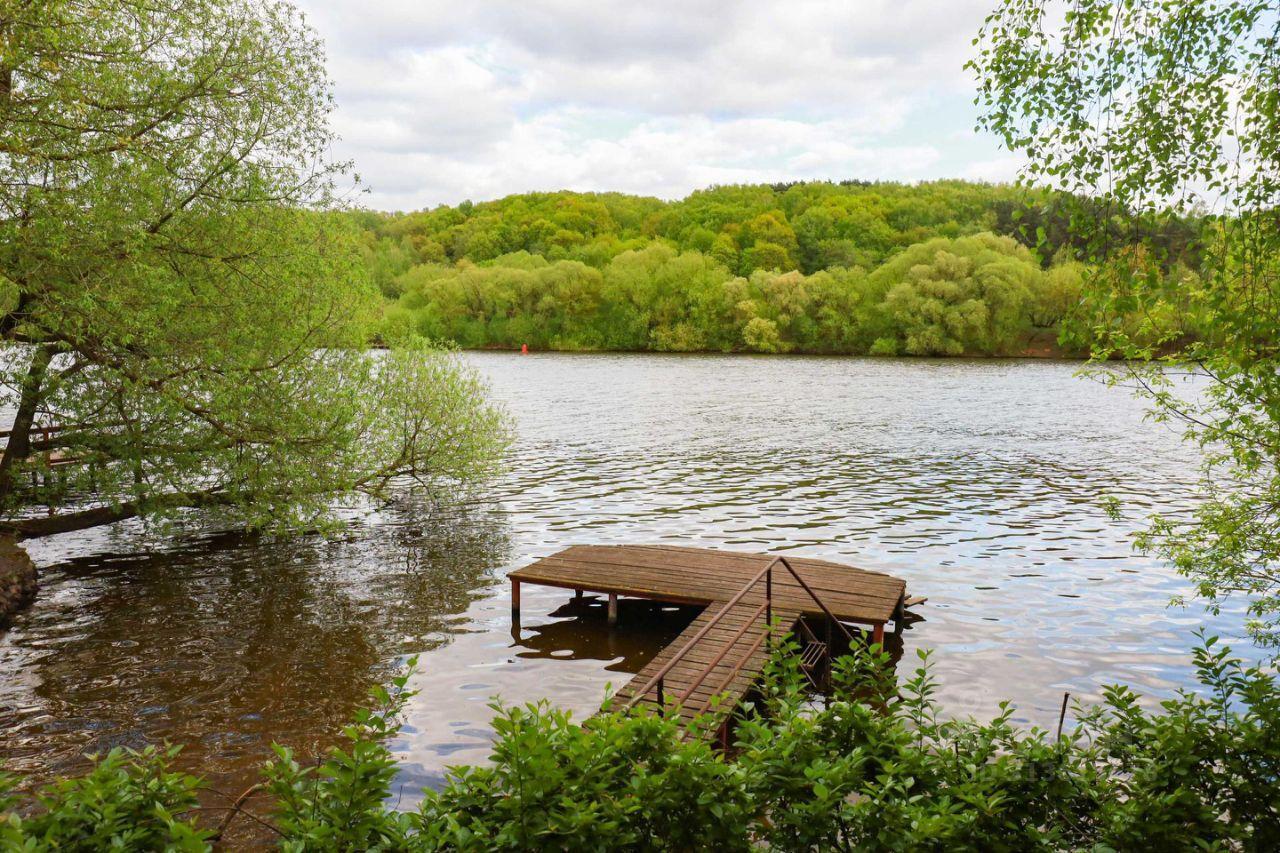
(440, 102)
(1004, 168)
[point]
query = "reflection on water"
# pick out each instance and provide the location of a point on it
(228, 642)
(981, 483)
(581, 632)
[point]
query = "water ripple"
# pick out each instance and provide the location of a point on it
(980, 482)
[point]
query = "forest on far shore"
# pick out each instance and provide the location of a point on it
(937, 268)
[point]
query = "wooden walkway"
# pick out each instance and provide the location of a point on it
(724, 650)
(697, 677)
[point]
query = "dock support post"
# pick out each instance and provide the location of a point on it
(613, 609)
(877, 634)
(577, 595)
(515, 601)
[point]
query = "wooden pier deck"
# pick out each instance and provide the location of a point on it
(724, 650)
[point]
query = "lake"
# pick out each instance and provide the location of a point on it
(980, 482)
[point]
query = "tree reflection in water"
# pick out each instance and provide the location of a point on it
(230, 641)
(582, 632)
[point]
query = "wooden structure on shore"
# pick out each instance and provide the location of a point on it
(724, 650)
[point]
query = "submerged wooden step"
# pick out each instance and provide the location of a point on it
(813, 654)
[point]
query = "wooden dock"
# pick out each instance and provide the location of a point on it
(724, 650)
(693, 683)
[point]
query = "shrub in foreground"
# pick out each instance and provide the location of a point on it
(877, 767)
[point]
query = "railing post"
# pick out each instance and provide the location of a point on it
(768, 596)
(662, 700)
(768, 608)
(827, 679)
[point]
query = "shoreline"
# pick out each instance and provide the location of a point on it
(1039, 348)
(1022, 356)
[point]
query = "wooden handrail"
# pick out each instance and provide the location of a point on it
(813, 595)
(767, 572)
(684, 650)
(727, 648)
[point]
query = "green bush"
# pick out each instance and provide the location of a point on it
(878, 766)
(128, 801)
(619, 782)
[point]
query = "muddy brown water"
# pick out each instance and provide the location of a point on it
(980, 482)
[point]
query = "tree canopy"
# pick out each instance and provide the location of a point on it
(804, 267)
(1150, 109)
(184, 319)
(806, 226)
(977, 295)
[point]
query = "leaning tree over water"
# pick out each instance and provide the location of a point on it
(184, 321)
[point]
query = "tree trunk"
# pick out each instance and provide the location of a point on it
(69, 522)
(34, 528)
(19, 445)
(17, 572)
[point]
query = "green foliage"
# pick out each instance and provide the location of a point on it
(1143, 112)
(810, 226)
(948, 297)
(976, 295)
(877, 766)
(184, 312)
(128, 801)
(747, 268)
(619, 782)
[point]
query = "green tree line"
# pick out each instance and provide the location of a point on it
(940, 268)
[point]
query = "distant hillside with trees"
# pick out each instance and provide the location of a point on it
(937, 268)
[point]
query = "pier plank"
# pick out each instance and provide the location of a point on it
(700, 576)
(741, 667)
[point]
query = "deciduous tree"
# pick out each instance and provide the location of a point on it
(1143, 110)
(184, 320)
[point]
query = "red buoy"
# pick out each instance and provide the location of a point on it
(524, 349)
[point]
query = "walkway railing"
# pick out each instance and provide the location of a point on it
(766, 607)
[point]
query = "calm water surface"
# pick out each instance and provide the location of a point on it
(980, 482)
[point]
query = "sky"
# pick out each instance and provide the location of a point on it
(441, 102)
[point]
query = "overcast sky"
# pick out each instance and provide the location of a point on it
(440, 102)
